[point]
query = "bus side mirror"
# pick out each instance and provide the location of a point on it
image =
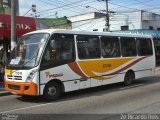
(52, 44)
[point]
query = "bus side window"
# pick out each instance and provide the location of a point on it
(46, 60)
(47, 55)
(128, 46)
(110, 47)
(88, 47)
(144, 47)
(59, 51)
(66, 53)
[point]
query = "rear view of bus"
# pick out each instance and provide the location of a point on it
(21, 73)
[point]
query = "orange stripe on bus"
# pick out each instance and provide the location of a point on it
(93, 68)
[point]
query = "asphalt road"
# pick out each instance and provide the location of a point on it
(142, 97)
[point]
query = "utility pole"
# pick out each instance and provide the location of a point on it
(13, 24)
(107, 26)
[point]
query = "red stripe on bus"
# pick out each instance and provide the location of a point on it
(128, 66)
(76, 69)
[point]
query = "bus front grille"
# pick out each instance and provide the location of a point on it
(14, 87)
(11, 77)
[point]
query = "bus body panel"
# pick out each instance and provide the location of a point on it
(145, 67)
(62, 73)
(95, 72)
(82, 73)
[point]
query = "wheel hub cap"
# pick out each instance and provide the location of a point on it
(52, 91)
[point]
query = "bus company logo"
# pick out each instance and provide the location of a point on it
(50, 75)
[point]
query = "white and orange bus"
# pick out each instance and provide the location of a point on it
(50, 62)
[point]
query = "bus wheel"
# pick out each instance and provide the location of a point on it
(129, 77)
(52, 91)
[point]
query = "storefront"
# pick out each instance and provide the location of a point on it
(24, 25)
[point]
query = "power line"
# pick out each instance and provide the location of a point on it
(139, 2)
(56, 6)
(121, 19)
(67, 1)
(87, 22)
(26, 3)
(60, 6)
(100, 21)
(122, 6)
(132, 4)
(144, 2)
(75, 5)
(72, 7)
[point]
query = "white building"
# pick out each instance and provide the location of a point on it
(118, 21)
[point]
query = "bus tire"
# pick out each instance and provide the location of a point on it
(129, 77)
(52, 91)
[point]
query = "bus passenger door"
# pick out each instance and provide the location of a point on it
(145, 52)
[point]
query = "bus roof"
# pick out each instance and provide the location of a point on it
(51, 31)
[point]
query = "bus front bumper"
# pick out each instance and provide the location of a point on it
(21, 88)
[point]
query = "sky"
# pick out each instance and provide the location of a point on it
(61, 8)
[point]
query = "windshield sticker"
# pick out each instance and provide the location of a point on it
(50, 75)
(15, 61)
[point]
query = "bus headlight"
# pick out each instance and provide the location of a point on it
(31, 76)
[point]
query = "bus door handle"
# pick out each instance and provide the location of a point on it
(83, 79)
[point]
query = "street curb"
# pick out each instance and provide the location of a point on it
(4, 93)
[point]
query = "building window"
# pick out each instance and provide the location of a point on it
(126, 27)
(150, 27)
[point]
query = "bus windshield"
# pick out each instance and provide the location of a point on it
(26, 53)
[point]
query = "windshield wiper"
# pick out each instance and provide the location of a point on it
(29, 60)
(35, 56)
